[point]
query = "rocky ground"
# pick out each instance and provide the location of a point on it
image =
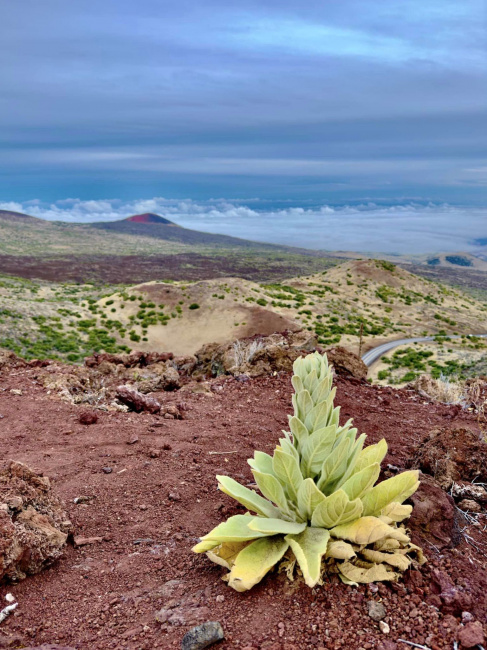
(139, 489)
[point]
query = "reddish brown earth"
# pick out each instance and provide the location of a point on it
(148, 217)
(161, 496)
(134, 269)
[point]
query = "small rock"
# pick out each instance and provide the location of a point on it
(464, 490)
(107, 470)
(132, 440)
(88, 417)
(376, 610)
(467, 617)
(384, 628)
(471, 635)
(84, 541)
(469, 505)
(83, 499)
(202, 636)
(168, 416)
(16, 391)
(154, 453)
(174, 496)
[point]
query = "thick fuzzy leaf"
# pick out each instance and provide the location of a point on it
(387, 544)
(398, 533)
(396, 560)
(255, 561)
(336, 509)
(304, 404)
(371, 454)
(246, 497)
(365, 530)
(340, 550)
(299, 431)
(309, 547)
(288, 447)
(272, 489)
(205, 545)
(396, 489)
(318, 416)
(375, 573)
(300, 368)
(311, 381)
(234, 529)
(396, 511)
(286, 468)
(297, 383)
(316, 449)
(261, 462)
(309, 497)
(352, 460)
(322, 390)
(226, 554)
(335, 416)
(361, 482)
(276, 526)
(335, 465)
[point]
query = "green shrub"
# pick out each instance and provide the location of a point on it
(194, 305)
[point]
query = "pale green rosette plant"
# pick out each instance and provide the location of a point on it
(319, 506)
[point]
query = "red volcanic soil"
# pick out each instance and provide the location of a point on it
(148, 217)
(161, 496)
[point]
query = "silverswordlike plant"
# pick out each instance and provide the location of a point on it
(319, 507)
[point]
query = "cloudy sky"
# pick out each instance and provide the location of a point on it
(271, 104)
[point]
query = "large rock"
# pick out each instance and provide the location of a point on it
(346, 363)
(132, 360)
(136, 401)
(255, 356)
(452, 455)
(434, 516)
(33, 523)
(159, 376)
(9, 359)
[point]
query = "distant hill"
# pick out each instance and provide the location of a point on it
(149, 217)
(157, 227)
(10, 215)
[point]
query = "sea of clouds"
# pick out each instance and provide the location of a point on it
(408, 228)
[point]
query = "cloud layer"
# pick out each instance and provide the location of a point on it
(333, 101)
(407, 228)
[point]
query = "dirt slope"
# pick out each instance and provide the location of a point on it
(161, 496)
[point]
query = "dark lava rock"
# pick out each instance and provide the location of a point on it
(453, 599)
(376, 610)
(346, 363)
(88, 417)
(202, 636)
(136, 401)
(472, 635)
(434, 515)
(34, 525)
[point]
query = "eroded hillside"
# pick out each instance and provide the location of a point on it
(369, 296)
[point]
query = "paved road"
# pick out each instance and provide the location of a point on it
(371, 356)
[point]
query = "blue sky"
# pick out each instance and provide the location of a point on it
(316, 103)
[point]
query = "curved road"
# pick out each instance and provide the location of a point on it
(373, 355)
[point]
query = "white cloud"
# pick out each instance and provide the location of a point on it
(408, 228)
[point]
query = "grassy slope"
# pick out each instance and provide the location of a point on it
(180, 316)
